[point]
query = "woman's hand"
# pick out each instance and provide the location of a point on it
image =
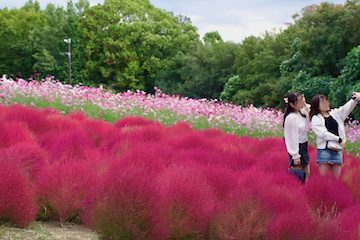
(297, 162)
(357, 96)
(343, 145)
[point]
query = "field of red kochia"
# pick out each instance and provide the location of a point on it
(137, 179)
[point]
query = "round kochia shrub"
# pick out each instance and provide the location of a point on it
(61, 189)
(125, 204)
(188, 201)
(12, 133)
(351, 177)
(327, 195)
(240, 216)
(31, 157)
(72, 146)
(350, 222)
(17, 200)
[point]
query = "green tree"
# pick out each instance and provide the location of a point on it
(347, 81)
(127, 42)
(18, 42)
(233, 84)
(328, 32)
(325, 34)
(309, 85)
(47, 39)
(45, 62)
(201, 72)
(212, 38)
(257, 65)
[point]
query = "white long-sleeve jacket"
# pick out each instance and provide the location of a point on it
(320, 130)
(295, 131)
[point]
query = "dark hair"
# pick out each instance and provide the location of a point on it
(12, 76)
(315, 102)
(292, 98)
(18, 75)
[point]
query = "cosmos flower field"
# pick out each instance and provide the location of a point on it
(138, 166)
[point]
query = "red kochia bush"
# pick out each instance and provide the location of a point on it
(62, 187)
(77, 115)
(154, 157)
(3, 111)
(34, 119)
(14, 132)
(222, 180)
(350, 175)
(239, 160)
(350, 222)
(302, 225)
(31, 157)
(128, 138)
(240, 216)
(212, 133)
(72, 146)
(17, 200)
(269, 145)
(193, 140)
(125, 204)
(148, 133)
(273, 161)
(59, 123)
(327, 195)
(188, 201)
(178, 129)
(99, 131)
(231, 142)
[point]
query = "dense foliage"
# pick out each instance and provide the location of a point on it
(134, 45)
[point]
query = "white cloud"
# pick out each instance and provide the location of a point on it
(93, 4)
(239, 33)
(195, 18)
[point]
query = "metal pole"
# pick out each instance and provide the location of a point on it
(69, 42)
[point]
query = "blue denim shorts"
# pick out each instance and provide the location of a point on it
(303, 151)
(329, 156)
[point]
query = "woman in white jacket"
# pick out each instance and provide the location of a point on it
(328, 125)
(296, 118)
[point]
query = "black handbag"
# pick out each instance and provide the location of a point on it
(300, 174)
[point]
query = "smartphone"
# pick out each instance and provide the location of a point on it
(352, 95)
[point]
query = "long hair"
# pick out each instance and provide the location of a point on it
(315, 103)
(292, 98)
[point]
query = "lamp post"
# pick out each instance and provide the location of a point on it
(68, 41)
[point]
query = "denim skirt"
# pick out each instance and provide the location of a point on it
(303, 151)
(329, 156)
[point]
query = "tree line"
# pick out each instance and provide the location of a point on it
(130, 44)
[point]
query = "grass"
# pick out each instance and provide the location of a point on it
(47, 231)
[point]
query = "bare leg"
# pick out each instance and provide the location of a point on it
(306, 169)
(336, 170)
(324, 168)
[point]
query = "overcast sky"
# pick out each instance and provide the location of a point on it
(233, 19)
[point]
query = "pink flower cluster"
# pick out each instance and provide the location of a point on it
(213, 113)
(137, 179)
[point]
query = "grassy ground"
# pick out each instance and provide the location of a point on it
(48, 231)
